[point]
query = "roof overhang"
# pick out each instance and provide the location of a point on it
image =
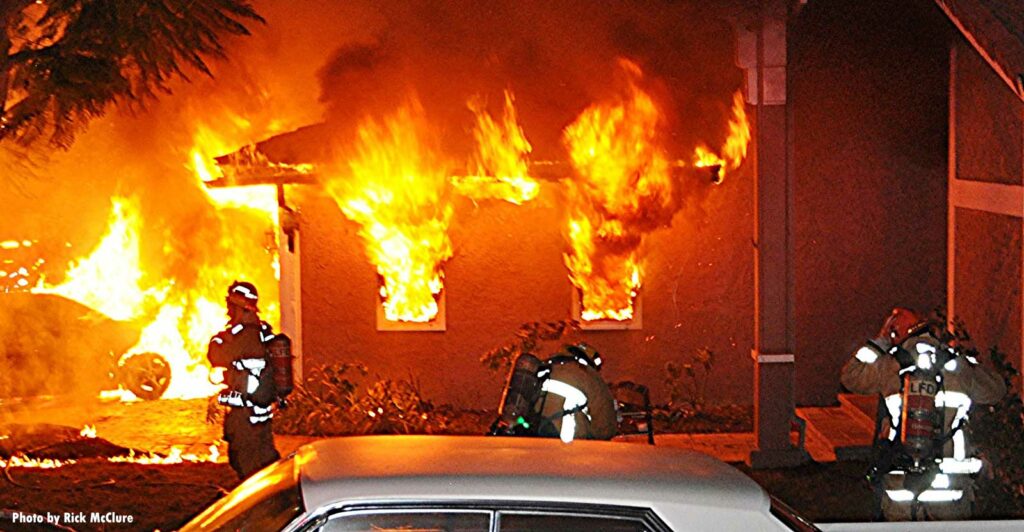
(995, 29)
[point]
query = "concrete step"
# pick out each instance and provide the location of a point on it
(863, 405)
(817, 445)
(837, 432)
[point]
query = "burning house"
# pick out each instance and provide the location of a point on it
(466, 213)
(409, 183)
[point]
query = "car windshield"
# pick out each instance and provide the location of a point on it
(268, 500)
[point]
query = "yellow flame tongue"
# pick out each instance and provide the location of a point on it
(734, 150)
(500, 163)
(110, 278)
(179, 317)
(622, 190)
(395, 188)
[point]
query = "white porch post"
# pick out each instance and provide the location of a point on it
(774, 344)
(290, 287)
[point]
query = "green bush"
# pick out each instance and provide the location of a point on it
(688, 382)
(996, 431)
(529, 339)
(336, 400)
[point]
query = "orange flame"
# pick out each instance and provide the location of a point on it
(110, 279)
(734, 151)
(622, 189)
(501, 163)
(189, 315)
(179, 317)
(703, 157)
(175, 456)
(395, 188)
(39, 463)
(207, 145)
(88, 431)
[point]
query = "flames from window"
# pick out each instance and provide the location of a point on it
(396, 188)
(399, 190)
(621, 190)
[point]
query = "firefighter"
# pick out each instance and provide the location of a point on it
(574, 401)
(923, 466)
(249, 393)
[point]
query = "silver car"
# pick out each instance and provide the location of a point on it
(487, 484)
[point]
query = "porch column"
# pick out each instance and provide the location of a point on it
(290, 285)
(774, 409)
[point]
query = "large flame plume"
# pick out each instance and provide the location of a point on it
(259, 198)
(622, 189)
(195, 239)
(734, 150)
(111, 278)
(178, 316)
(395, 188)
(501, 164)
(190, 315)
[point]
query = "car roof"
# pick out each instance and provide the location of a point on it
(352, 470)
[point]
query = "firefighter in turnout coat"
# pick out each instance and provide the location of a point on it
(925, 468)
(575, 402)
(250, 393)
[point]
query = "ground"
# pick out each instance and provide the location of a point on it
(821, 492)
(154, 497)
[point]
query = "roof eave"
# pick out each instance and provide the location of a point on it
(1015, 82)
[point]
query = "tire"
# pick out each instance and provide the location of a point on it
(147, 375)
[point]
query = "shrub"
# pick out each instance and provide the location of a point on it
(996, 431)
(688, 382)
(336, 400)
(528, 340)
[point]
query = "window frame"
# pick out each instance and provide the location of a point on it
(426, 509)
(647, 517)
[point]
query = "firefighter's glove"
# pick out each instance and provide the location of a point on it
(904, 358)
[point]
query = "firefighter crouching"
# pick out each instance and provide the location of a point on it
(250, 393)
(924, 466)
(562, 397)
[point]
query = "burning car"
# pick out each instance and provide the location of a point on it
(52, 345)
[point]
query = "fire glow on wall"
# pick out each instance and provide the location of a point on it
(398, 186)
(399, 189)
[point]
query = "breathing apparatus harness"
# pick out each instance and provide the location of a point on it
(918, 446)
(528, 387)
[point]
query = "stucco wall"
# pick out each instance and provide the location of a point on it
(869, 94)
(988, 279)
(507, 270)
(989, 121)
(988, 133)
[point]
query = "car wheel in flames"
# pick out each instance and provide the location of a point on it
(147, 375)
